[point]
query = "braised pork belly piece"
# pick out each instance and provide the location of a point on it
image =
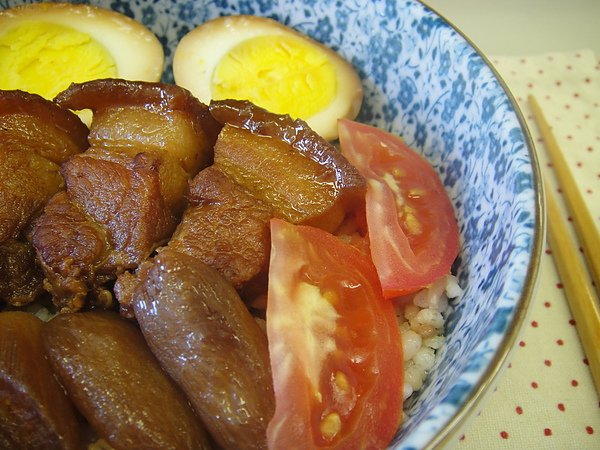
(265, 165)
(36, 136)
(132, 117)
(21, 280)
(34, 123)
(117, 384)
(281, 161)
(208, 342)
(125, 195)
(35, 413)
(114, 212)
(28, 180)
(225, 227)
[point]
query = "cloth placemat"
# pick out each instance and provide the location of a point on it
(546, 397)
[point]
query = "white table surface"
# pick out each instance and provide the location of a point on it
(525, 27)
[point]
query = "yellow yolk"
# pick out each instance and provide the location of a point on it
(280, 73)
(273, 66)
(44, 58)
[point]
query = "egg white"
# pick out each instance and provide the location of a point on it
(199, 52)
(137, 52)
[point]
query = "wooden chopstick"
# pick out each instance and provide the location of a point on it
(577, 286)
(573, 274)
(582, 219)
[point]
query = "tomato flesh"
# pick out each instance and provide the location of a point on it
(334, 345)
(410, 219)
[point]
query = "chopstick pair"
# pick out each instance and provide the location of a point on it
(578, 288)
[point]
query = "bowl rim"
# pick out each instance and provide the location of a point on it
(448, 433)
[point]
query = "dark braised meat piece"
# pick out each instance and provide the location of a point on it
(116, 382)
(114, 212)
(36, 136)
(126, 194)
(265, 165)
(35, 413)
(135, 116)
(137, 200)
(37, 124)
(20, 277)
(223, 226)
(226, 228)
(27, 181)
(286, 164)
(205, 338)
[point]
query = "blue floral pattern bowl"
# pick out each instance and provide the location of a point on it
(425, 81)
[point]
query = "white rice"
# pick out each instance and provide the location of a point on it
(421, 321)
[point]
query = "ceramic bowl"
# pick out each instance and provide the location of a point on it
(425, 81)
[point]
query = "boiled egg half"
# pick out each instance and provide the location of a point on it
(44, 47)
(275, 67)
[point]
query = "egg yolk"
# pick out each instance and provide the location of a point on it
(282, 74)
(44, 58)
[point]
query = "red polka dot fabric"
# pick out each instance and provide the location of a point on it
(546, 397)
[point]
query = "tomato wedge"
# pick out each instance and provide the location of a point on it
(410, 219)
(334, 345)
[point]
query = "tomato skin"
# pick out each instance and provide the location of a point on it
(334, 344)
(410, 219)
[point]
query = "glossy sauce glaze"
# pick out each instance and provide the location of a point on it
(35, 413)
(205, 338)
(114, 380)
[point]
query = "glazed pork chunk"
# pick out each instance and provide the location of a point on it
(227, 228)
(35, 412)
(115, 382)
(125, 195)
(265, 165)
(206, 340)
(133, 116)
(285, 164)
(36, 136)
